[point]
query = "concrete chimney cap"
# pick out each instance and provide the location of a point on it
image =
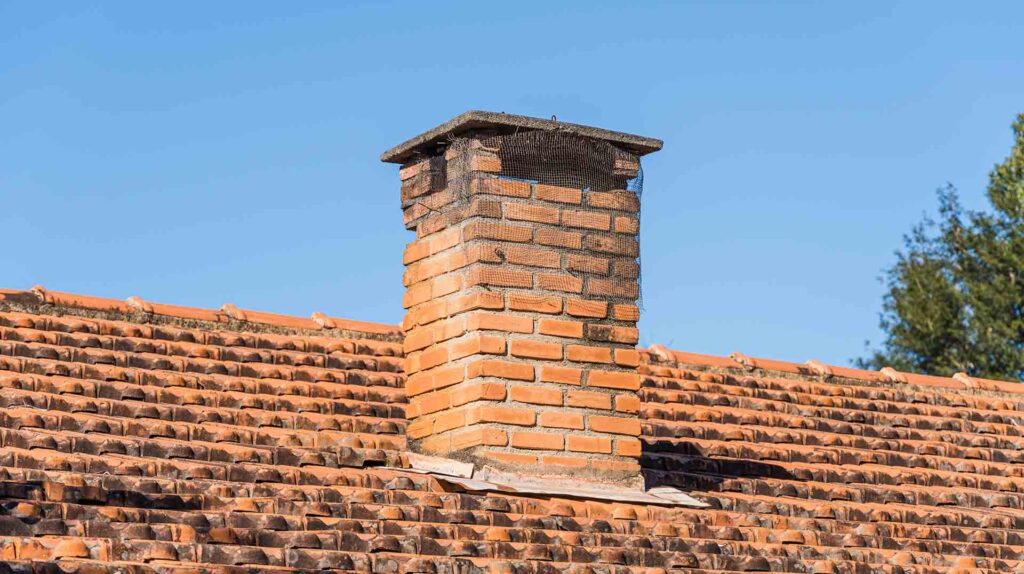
(479, 120)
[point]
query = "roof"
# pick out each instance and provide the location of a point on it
(477, 120)
(137, 437)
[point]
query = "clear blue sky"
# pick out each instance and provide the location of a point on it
(201, 153)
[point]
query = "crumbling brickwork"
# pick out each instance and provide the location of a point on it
(521, 315)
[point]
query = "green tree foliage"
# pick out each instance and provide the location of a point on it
(955, 299)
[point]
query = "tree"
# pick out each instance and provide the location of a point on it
(955, 296)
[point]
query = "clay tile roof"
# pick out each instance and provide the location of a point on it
(142, 437)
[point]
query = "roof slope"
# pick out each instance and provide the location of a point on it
(136, 437)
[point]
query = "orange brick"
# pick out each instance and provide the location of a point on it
(505, 187)
(593, 444)
(562, 375)
(536, 395)
(415, 251)
(627, 447)
(478, 436)
(626, 269)
(559, 282)
(531, 212)
(616, 465)
(537, 440)
(617, 200)
(614, 425)
(583, 308)
(586, 264)
(433, 357)
(560, 460)
(432, 403)
(449, 420)
(587, 220)
(536, 349)
(584, 354)
(476, 344)
(628, 335)
(474, 301)
(445, 240)
(627, 357)
(627, 403)
(499, 277)
(481, 321)
(559, 328)
(589, 400)
(501, 370)
(515, 458)
(613, 288)
(626, 225)
(559, 194)
(502, 415)
(488, 163)
(561, 420)
(532, 256)
(477, 392)
(417, 339)
(614, 380)
(549, 304)
(613, 244)
(438, 444)
(556, 238)
(497, 231)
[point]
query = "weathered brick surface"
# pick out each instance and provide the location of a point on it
(521, 320)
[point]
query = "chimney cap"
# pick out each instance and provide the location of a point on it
(476, 120)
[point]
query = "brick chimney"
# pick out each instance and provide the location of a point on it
(521, 295)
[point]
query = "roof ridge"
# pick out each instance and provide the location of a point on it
(814, 368)
(228, 312)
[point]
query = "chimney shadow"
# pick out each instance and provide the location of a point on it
(685, 466)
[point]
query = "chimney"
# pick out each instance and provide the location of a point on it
(521, 295)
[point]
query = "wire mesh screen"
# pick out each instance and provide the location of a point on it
(576, 195)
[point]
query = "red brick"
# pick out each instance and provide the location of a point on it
(614, 380)
(559, 282)
(593, 444)
(626, 269)
(555, 419)
(587, 220)
(531, 212)
(537, 440)
(627, 403)
(561, 375)
(501, 370)
(584, 308)
(560, 328)
(589, 400)
(584, 354)
(502, 415)
(559, 194)
(556, 238)
(536, 395)
(499, 277)
(496, 231)
(535, 349)
(549, 304)
(586, 264)
(614, 425)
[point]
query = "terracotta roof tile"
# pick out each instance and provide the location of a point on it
(140, 437)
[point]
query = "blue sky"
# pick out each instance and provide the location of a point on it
(200, 153)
